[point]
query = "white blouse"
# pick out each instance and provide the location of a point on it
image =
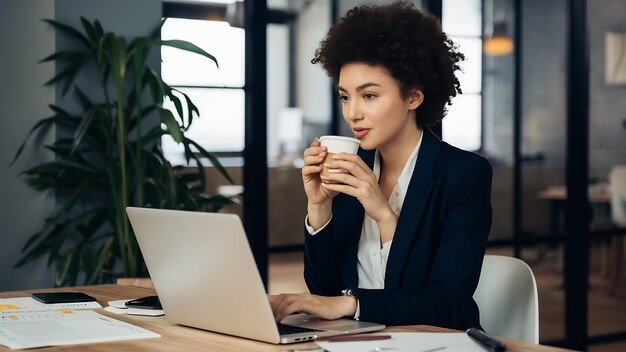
(371, 257)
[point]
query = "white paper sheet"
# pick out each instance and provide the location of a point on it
(64, 327)
(135, 311)
(409, 342)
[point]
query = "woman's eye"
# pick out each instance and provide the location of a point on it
(343, 98)
(369, 96)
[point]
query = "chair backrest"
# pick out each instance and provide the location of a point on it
(617, 178)
(507, 299)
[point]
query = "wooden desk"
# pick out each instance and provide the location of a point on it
(557, 196)
(180, 338)
(601, 195)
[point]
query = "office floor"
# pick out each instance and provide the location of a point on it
(606, 312)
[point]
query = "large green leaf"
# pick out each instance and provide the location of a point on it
(100, 260)
(152, 79)
(187, 46)
(77, 194)
(66, 267)
(117, 56)
(91, 31)
(191, 107)
(85, 102)
(64, 55)
(68, 74)
(216, 163)
(40, 124)
(69, 31)
(57, 166)
(171, 125)
(68, 229)
(59, 110)
(85, 124)
(179, 107)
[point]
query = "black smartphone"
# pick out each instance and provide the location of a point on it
(62, 297)
(149, 302)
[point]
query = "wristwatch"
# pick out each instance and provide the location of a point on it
(349, 292)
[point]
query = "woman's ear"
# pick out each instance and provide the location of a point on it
(415, 99)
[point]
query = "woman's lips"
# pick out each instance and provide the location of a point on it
(361, 133)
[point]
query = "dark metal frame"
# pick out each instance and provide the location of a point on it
(517, 130)
(255, 171)
(577, 215)
(335, 114)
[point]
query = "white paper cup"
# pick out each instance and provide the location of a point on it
(337, 144)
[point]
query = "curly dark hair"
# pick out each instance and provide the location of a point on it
(408, 42)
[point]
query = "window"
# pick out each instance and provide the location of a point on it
(462, 21)
(218, 93)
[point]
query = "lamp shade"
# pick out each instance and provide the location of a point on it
(499, 43)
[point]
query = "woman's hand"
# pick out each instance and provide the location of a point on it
(313, 164)
(359, 183)
(321, 306)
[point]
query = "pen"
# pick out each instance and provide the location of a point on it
(486, 341)
(354, 337)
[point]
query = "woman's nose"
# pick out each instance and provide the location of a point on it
(352, 111)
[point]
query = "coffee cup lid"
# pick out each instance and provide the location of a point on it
(342, 138)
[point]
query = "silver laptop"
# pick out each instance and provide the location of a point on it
(205, 275)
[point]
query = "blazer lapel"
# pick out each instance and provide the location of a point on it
(353, 214)
(413, 207)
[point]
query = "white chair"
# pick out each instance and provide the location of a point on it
(507, 299)
(617, 178)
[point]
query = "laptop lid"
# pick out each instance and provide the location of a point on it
(204, 272)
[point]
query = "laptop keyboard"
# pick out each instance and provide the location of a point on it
(289, 329)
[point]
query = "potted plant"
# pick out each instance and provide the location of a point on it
(111, 156)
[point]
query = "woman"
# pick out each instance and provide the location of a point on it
(400, 238)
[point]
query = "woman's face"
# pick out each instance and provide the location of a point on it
(373, 106)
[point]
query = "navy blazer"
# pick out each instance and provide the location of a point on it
(437, 250)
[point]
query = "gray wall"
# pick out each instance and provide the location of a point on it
(26, 40)
(607, 138)
(544, 81)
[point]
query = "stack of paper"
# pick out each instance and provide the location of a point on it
(119, 307)
(409, 342)
(24, 324)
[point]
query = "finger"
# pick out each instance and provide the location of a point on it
(314, 159)
(316, 142)
(353, 168)
(296, 306)
(273, 304)
(342, 188)
(342, 178)
(315, 150)
(278, 302)
(312, 169)
(354, 158)
(286, 300)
